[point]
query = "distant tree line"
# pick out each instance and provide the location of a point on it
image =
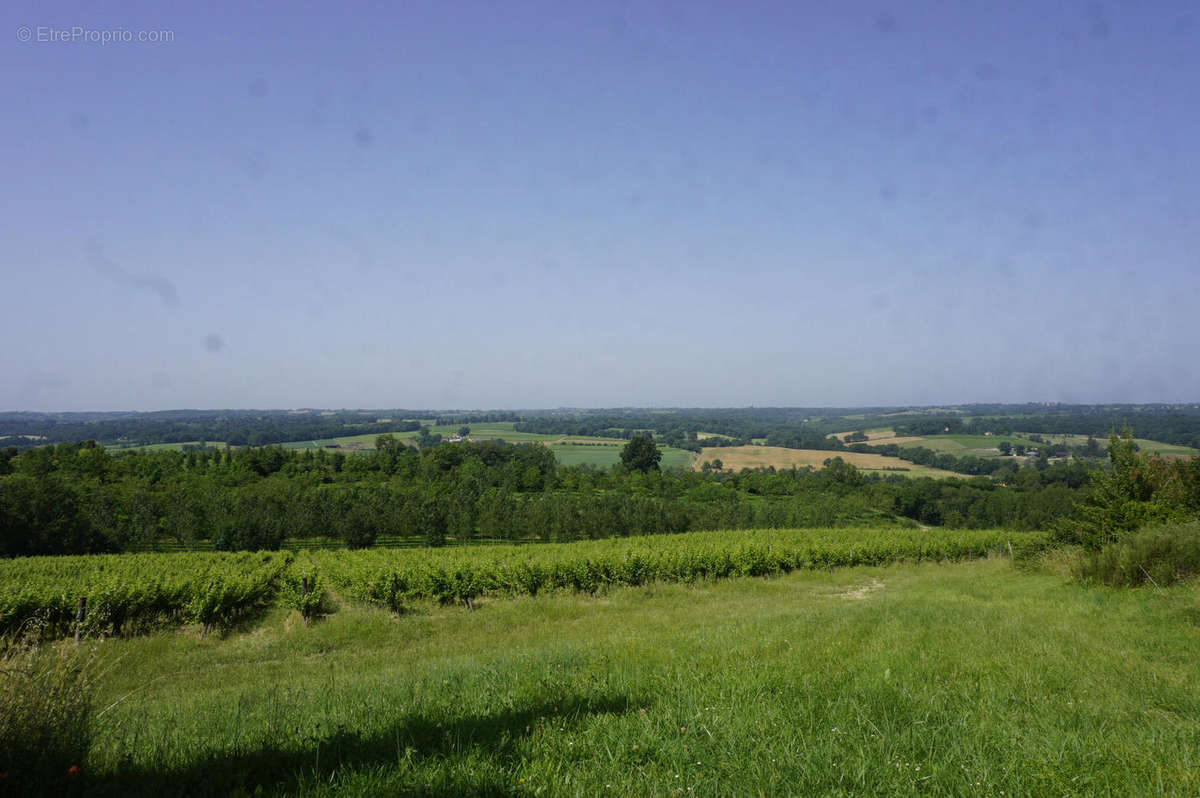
(1175, 425)
(77, 498)
(235, 427)
(806, 428)
(491, 417)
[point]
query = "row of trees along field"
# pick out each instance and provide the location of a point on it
(235, 427)
(1178, 426)
(80, 498)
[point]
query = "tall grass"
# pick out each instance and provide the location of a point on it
(969, 679)
(46, 713)
(1159, 555)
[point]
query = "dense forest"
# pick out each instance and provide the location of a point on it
(75, 497)
(78, 497)
(1179, 425)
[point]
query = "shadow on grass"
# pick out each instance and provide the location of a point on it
(313, 761)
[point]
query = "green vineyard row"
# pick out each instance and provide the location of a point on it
(130, 593)
(389, 578)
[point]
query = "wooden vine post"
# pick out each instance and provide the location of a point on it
(80, 614)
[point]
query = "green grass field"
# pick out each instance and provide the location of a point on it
(568, 451)
(967, 445)
(155, 447)
(603, 456)
(964, 679)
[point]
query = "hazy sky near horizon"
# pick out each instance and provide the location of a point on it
(519, 204)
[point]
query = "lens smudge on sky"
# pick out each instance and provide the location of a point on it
(539, 204)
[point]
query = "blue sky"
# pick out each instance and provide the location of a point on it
(547, 204)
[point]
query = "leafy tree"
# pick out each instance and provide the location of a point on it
(641, 454)
(43, 516)
(841, 471)
(427, 439)
(1122, 498)
(431, 518)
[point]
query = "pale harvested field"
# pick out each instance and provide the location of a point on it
(739, 457)
(878, 437)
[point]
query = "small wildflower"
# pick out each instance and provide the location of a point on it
(73, 770)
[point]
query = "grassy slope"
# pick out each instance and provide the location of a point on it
(966, 679)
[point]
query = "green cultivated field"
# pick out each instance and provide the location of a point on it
(964, 445)
(132, 593)
(604, 455)
(968, 679)
(154, 447)
(568, 450)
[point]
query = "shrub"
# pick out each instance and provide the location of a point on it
(45, 713)
(1161, 555)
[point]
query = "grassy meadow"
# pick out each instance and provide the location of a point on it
(965, 445)
(171, 447)
(568, 450)
(935, 679)
(604, 455)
